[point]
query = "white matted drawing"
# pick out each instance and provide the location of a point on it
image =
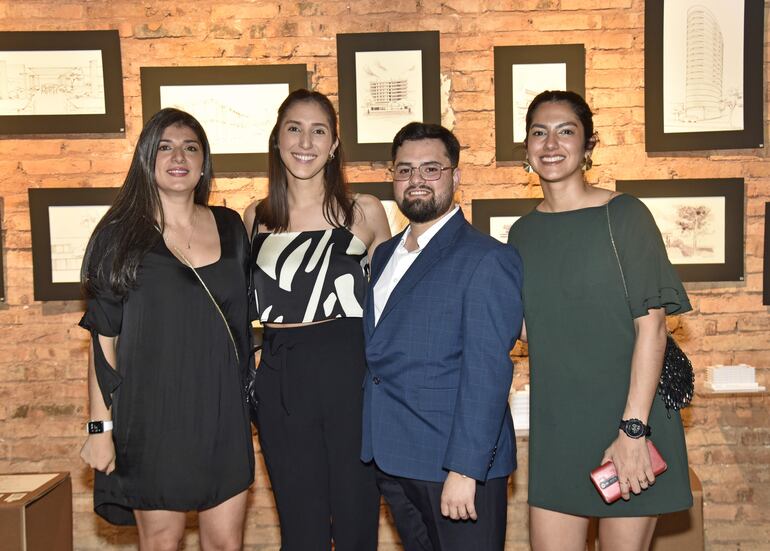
(499, 226)
(70, 228)
(388, 93)
(703, 66)
(396, 219)
(237, 117)
(529, 79)
(693, 228)
(55, 82)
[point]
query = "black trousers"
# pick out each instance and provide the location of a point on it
(309, 419)
(416, 509)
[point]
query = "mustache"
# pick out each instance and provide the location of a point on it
(419, 187)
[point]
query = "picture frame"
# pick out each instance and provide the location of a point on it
(766, 259)
(384, 192)
(60, 83)
(236, 105)
(62, 221)
(386, 80)
(688, 210)
(708, 96)
(495, 217)
(522, 72)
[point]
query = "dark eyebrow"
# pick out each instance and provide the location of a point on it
(183, 141)
(311, 124)
(560, 125)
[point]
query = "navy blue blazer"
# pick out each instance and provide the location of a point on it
(439, 367)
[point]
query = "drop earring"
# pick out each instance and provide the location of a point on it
(587, 163)
(526, 166)
(331, 155)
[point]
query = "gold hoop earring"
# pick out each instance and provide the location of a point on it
(527, 167)
(587, 163)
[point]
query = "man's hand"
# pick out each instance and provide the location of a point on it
(458, 497)
(99, 452)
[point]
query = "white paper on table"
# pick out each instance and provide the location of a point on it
(14, 483)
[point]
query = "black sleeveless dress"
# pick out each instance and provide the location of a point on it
(182, 434)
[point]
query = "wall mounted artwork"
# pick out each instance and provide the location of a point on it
(62, 221)
(384, 192)
(701, 222)
(496, 216)
(521, 73)
(237, 106)
(386, 80)
(703, 74)
(60, 82)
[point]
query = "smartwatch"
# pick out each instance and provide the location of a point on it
(634, 428)
(98, 427)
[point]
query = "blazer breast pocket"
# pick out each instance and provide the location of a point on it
(435, 399)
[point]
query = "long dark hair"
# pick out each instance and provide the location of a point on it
(338, 207)
(129, 229)
(577, 104)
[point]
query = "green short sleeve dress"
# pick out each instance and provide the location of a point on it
(581, 337)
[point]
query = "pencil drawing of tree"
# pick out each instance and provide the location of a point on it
(693, 219)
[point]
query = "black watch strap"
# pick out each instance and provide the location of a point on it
(634, 428)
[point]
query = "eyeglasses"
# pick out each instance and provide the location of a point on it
(428, 171)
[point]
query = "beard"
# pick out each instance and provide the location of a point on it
(425, 209)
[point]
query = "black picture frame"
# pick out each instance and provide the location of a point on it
(384, 192)
(293, 75)
(766, 259)
(732, 190)
(348, 45)
(40, 202)
(752, 135)
(572, 55)
(48, 82)
(484, 211)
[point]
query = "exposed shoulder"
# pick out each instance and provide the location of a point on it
(369, 204)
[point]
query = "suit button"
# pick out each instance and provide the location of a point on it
(376, 380)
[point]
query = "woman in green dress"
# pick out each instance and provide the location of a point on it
(596, 342)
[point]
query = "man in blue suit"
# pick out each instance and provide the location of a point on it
(442, 313)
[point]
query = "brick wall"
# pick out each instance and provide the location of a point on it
(43, 353)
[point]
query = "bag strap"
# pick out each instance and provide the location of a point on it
(181, 255)
(615, 250)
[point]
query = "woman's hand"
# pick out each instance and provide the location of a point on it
(99, 452)
(632, 463)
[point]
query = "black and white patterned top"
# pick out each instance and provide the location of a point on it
(302, 277)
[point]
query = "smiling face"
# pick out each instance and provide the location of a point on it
(424, 200)
(305, 140)
(556, 143)
(178, 160)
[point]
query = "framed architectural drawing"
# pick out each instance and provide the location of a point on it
(62, 220)
(766, 259)
(521, 73)
(386, 80)
(237, 106)
(496, 216)
(60, 82)
(701, 222)
(703, 74)
(384, 192)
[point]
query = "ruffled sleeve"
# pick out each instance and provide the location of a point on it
(651, 280)
(103, 316)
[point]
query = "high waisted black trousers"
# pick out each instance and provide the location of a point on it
(309, 419)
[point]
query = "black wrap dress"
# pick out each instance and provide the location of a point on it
(181, 428)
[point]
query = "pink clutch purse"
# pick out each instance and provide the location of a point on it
(605, 478)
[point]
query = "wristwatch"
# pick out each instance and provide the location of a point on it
(634, 428)
(98, 427)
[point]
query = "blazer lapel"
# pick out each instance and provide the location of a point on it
(382, 254)
(425, 261)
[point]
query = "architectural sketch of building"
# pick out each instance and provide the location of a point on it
(703, 66)
(51, 83)
(389, 96)
(70, 229)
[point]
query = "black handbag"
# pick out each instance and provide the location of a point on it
(677, 380)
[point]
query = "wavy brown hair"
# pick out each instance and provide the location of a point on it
(338, 207)
(129, 229)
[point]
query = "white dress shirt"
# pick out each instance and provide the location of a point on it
(401, 260)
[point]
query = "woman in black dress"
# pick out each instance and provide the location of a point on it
(165, 277)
